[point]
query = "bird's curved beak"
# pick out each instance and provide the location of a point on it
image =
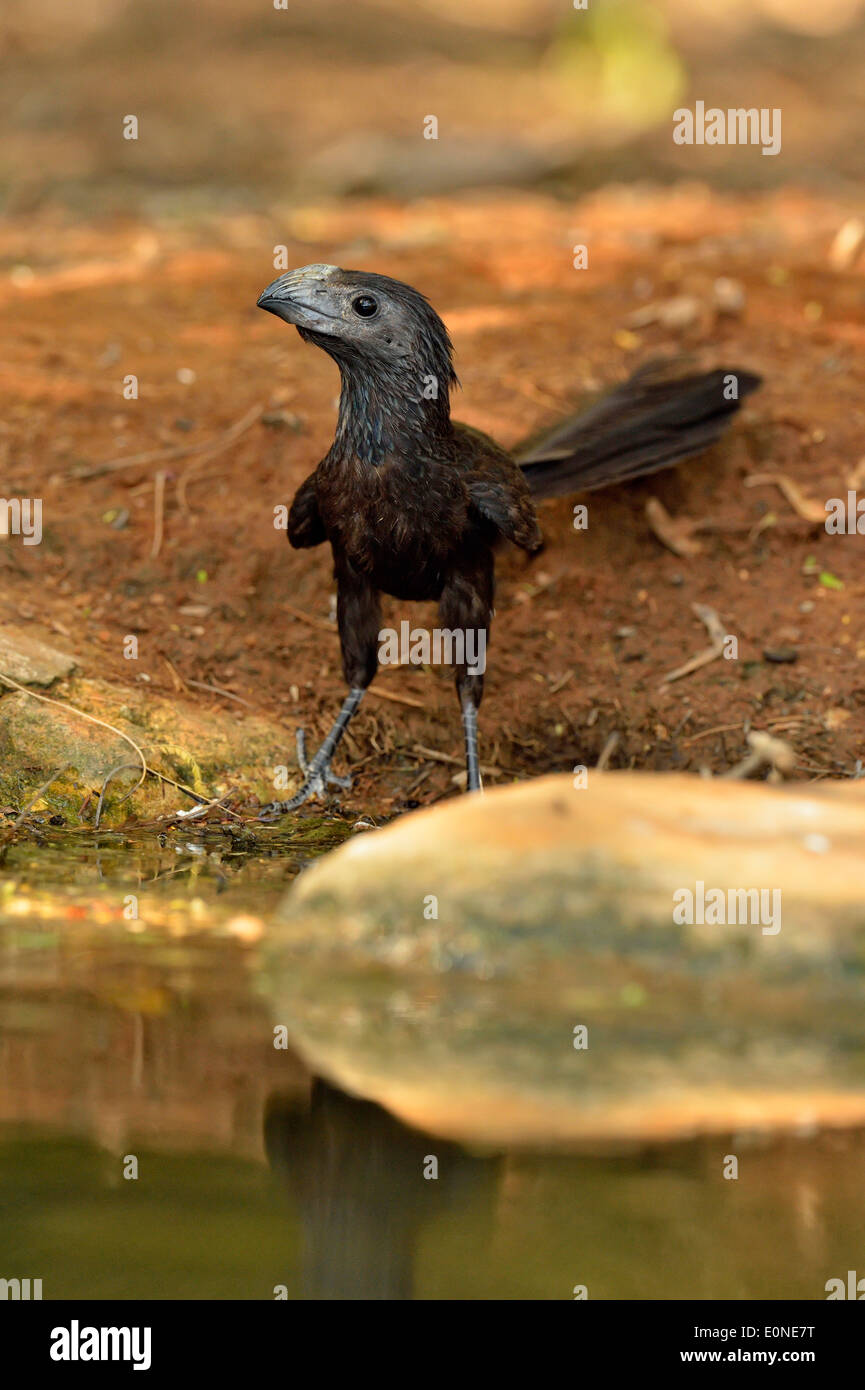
(300, 297)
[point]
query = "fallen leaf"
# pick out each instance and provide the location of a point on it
(835, 718)
(803, 506)
(676, 533)
(847, 244)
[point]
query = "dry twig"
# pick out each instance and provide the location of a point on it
(710, 620)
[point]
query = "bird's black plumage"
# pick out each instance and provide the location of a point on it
(413, 503)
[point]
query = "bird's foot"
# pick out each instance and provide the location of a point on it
(319, 769)
(317, 777)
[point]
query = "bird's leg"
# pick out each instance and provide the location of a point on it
(470, 730)
(317, 775)
(358, 616)
(466, 609)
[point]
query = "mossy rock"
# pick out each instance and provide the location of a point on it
(209, 751)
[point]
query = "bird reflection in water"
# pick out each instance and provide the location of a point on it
(356, 1176)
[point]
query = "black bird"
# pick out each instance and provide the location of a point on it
(413, 503)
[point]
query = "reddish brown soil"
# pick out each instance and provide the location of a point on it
(226, 602)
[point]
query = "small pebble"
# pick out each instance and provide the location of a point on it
(817, 844)
(729, 295)
(782, 656)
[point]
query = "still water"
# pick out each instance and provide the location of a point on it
(155, 1144)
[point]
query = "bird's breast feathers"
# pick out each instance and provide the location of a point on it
(386, 528)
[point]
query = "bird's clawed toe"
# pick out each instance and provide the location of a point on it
(300, 740)
(317, 777)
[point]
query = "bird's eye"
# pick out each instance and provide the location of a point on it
(365, 306)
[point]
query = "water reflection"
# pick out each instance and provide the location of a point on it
(364, 1185)
(154, 1037)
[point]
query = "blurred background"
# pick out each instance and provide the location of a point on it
(241, 103)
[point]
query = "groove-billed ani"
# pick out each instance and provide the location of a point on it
(413, 503)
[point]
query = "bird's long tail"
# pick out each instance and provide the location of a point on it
(654, 419)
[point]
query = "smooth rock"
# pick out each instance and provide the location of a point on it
(29, 661)
(555, 912)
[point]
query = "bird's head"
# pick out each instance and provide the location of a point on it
(368, 323)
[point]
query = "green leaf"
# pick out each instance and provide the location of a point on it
(829, 581)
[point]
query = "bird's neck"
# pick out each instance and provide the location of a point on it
(393, 409)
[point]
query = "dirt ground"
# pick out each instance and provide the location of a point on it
(158, 512)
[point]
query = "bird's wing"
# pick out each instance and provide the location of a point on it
(305, 526)
(497, 488)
